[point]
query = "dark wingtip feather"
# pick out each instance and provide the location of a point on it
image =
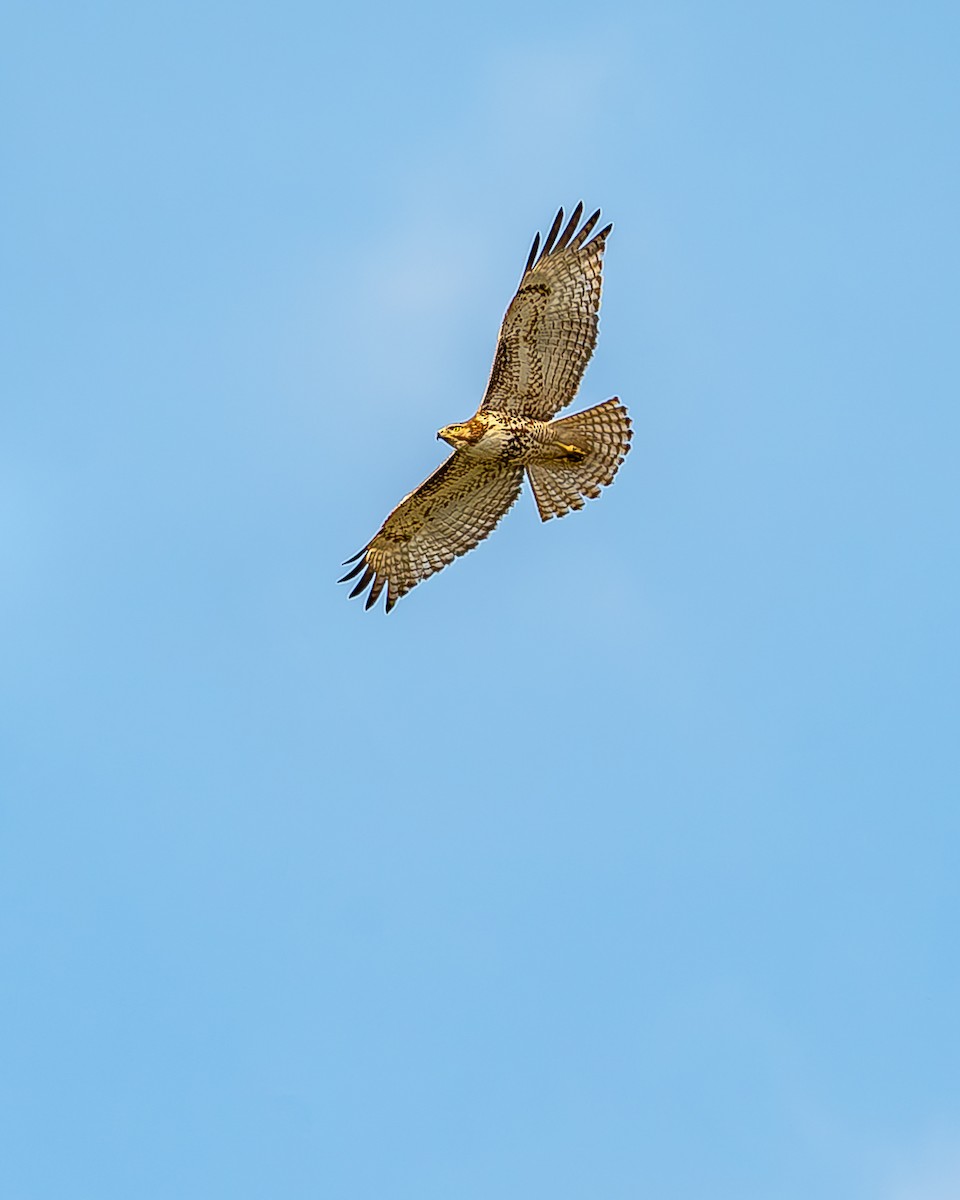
(356, 570)
(564, 238)
(375, 592)
(363, 581)
(355, 557)
(533, 253)
(551, 236)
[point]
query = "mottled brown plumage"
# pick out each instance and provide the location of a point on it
(546, 340)
(550, 328)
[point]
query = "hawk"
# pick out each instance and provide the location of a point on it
(546, 340)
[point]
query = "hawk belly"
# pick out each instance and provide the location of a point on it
(505, 437)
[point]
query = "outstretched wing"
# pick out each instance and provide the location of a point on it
(550, 328)
(446, 516)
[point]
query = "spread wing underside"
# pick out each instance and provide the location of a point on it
(447, 515)
(550, 329)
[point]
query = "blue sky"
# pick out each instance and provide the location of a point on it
(621, 859)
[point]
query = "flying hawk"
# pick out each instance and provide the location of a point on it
(546, 339)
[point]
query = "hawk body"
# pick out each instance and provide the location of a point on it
(546, 340)
(498, 436)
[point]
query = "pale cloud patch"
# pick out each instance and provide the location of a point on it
(549, 98)
(31, 540)
(409, 290)
(931, 1171)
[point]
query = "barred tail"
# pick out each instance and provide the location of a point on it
(588, 449)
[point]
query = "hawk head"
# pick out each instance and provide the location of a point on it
(461, 436)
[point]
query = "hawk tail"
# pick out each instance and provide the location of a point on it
(586, 451)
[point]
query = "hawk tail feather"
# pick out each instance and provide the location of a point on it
(585, 456)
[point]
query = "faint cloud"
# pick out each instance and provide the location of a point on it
(547, 98)
(30, 494)
(412, 286)
(931, 1172)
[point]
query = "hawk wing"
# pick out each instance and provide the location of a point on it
(550, 329)
(447, 515)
